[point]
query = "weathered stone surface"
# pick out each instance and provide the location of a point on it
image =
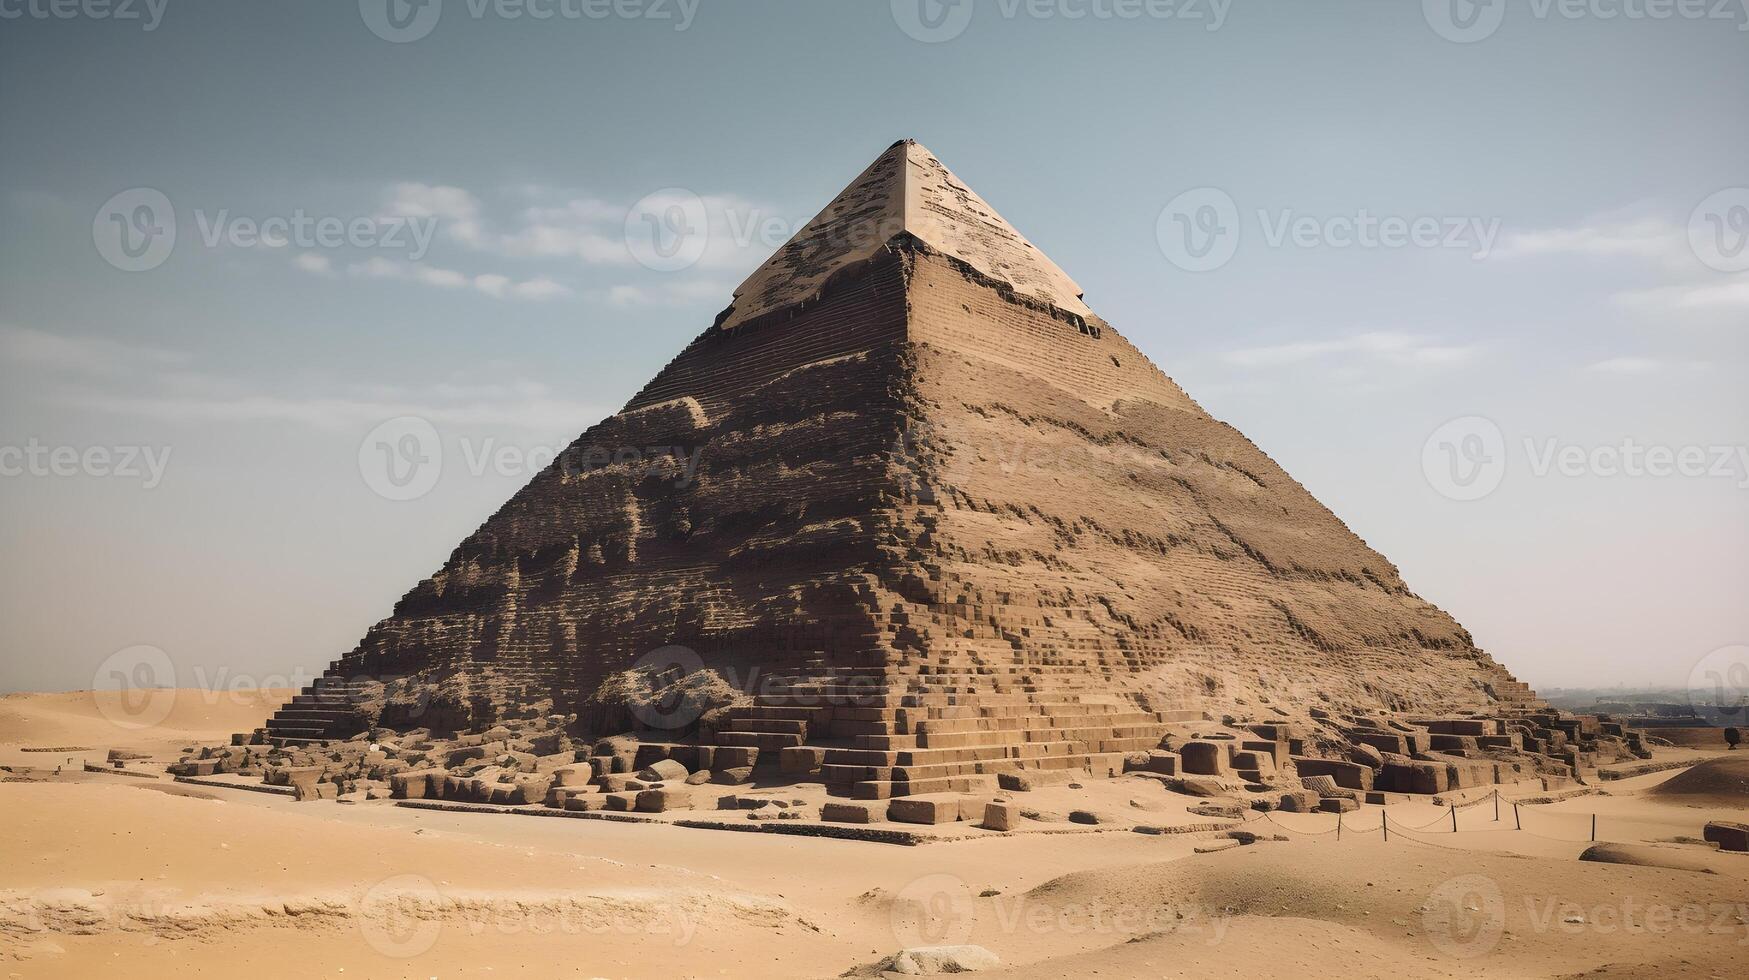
(842, 812)
(1026, 780)
(1730, 835)
(1001, 816)
(662, 771)
(1199, 758)
(935, 808)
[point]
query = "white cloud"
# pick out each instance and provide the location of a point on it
(81, 355)
(1700, 297)
(1384, 347)
(490, 283)
(1656, 239)
(538, 289)
(98, 375)
(1643, 365)
(457, 211)
(314, 262)
(682, 293)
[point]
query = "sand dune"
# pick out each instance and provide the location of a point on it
(196, 881)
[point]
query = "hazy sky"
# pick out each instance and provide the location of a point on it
(1529, 218)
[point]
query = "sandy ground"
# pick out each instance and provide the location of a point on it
(100, 874)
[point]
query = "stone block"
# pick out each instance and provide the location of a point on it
(732, 777)
(838, 812)
(1162, 762)
(734, 756)
(623, 802)
(801, 759)
(1300, 801)
(1203, 758)
(1026, 780)
(414, 784)
(932, 808)
(584, 802)
(1728, 834)
(1001, 816)
(1352, 775)
(664, 799)
(663, 770)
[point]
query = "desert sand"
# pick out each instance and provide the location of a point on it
(101, 873)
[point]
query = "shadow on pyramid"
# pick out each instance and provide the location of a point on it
(909, 502)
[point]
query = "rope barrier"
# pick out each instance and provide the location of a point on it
(1388, 826)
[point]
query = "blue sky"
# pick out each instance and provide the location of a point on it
(1584, 294)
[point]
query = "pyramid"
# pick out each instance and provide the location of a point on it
(923, 509)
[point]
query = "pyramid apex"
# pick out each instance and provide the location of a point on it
(906, 190)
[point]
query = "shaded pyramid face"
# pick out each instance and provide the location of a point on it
(909, 459)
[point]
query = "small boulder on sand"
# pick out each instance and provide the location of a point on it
(931, 960)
